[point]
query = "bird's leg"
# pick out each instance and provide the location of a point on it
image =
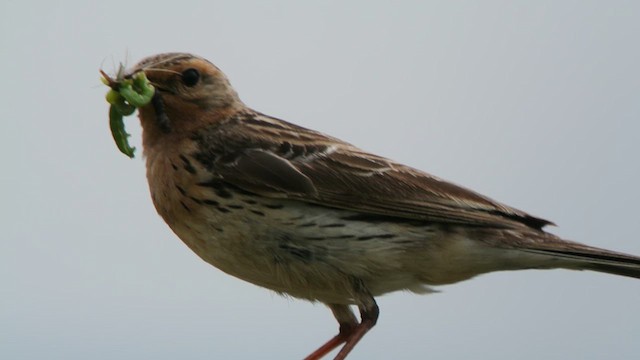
(350, 330)
(348, 323)
(368, 317)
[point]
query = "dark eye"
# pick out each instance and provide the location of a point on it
(190, 77)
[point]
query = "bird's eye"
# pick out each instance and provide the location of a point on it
(190, 77)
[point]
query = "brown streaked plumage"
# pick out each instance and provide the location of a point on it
(308, 215)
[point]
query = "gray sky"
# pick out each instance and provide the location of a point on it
(535, 104)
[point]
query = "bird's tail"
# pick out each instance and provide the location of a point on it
(553, 252)
(582, 257)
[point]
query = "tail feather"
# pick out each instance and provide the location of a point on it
(585, 257)
(615, 270)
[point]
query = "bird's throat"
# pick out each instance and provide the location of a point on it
(161, 115)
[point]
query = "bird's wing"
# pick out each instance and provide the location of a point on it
(273, 158)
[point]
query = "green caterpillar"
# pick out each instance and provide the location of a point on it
(125, 96)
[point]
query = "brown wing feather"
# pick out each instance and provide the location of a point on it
(251, 149)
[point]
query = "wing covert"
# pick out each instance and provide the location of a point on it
(277, 159)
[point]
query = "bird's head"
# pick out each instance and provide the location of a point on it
(190, 92)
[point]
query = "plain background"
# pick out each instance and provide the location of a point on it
(533, 103)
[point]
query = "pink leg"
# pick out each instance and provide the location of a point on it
(346, 330)
(350, 330)
(369, 319)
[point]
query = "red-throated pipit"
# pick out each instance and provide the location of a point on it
(308, 215)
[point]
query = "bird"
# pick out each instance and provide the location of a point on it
(312, 217)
